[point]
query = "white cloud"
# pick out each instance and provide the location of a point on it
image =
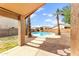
(54, 21)
(44, 14)
(48, 25)
(49, 15)
(36, 26)
(48, 20)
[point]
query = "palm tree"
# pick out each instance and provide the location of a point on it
(66, 13)
(58, 12)
(29, 27)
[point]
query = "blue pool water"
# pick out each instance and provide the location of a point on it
(40, 34)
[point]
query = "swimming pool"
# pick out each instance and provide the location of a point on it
(41, 34)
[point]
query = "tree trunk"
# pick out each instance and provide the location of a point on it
(59, 33)
(29, 28)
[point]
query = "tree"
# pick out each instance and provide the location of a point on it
(29, 27)
(58, 12)
(66, 13)
(41, 28)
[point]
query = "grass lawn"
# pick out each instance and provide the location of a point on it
(7, 43)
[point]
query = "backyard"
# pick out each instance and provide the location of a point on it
(52, 31)
(53, 45)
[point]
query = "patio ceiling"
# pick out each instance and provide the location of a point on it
(19, 8)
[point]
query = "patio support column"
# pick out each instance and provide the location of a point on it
(21, 30)
(75, 29)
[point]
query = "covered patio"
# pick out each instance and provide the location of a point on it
(23, 10)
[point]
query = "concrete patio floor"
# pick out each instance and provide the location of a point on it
(27, 51)
(55, 46)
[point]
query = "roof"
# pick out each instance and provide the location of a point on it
(19, 8)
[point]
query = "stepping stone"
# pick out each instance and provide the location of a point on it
(61, 52)
(66, 50)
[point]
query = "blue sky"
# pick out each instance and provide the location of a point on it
(44, 16)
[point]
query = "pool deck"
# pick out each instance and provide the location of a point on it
(51, 46)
